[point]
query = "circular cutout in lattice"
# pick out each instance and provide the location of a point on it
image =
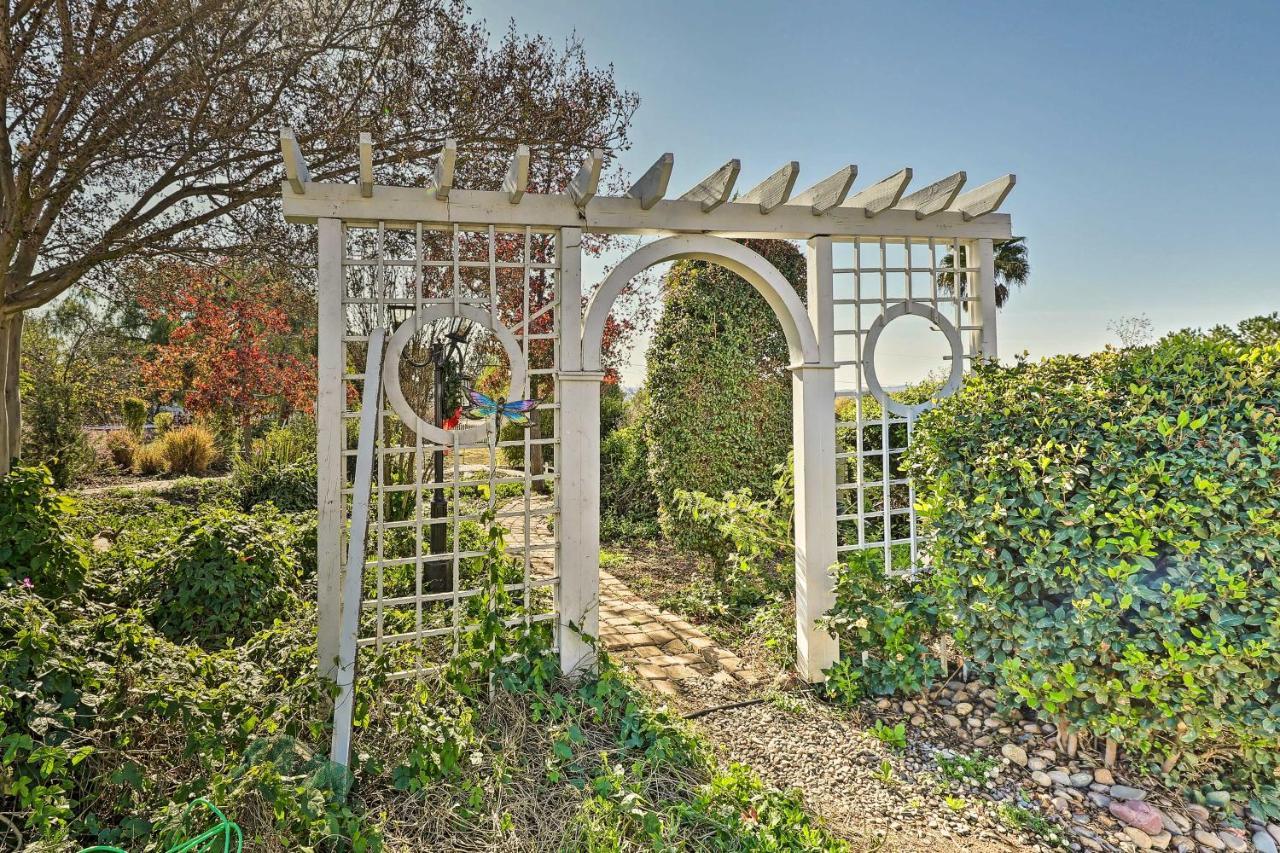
(395, 351)
(903, 309)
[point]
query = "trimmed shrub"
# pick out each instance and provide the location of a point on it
(189, 449)
(228, 575)
(121, 446)
(1107, 531)
(149, 459)
(134, 414)
(36, 547)
(720, 391)
(163, 422)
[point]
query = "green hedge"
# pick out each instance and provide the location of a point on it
(720, 391)
(37, 547)
(1107, 531)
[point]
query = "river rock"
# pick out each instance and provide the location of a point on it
(1161, 840)
(1264, 842)
(964, 709)
(951, 721)
(1035, 762)
(1138, 813)
(1014, 753)
(1103, 776)
(1198, 812)
(1233, 841)
(1125, 792)
(1208, 839)
(1042, 779)
(1139, 838)
(1081, 779)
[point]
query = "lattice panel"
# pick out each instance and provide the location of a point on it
(876, 281)
(417, 604)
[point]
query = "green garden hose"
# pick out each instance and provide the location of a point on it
(206, 842)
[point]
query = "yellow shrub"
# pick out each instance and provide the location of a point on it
(123, 447)
(189, 449)
(150, 459)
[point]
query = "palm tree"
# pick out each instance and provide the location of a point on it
(1012, 267)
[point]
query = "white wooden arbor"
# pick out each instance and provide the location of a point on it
(872, 256)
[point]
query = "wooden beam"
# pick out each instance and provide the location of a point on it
(985, 199)
(934, 198)
(584, 184)
(366, 164)
(401, 207)
(826, 193)
(774, 190)
(295, 165)
(517, 180)
(652, 185)
(442, 178)
(883, 195)
(715, 189)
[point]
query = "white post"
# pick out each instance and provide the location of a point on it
(579, 561)
(578, 392)
(814, 395)
(986, 263)
(330, 438)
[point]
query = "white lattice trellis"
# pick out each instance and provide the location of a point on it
(439, 253)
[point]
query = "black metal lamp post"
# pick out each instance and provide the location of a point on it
(444, 349)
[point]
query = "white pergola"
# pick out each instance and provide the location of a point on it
(872, 256)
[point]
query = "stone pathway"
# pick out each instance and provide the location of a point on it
(669, 655)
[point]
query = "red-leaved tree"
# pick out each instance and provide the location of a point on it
(233, 351)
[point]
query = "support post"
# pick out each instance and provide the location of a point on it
(579, 482)
(813, 388)
(330, 438)
(987, 296)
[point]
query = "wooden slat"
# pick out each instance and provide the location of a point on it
(517, 180)
(826, 193)
(366, 164)
(985, 199)
(405, 206)
(882, 195)
(715, 189)
(774, 190)
(442, 178)
(652, 185)
(584, 184)
(295, 165)
(934, 198)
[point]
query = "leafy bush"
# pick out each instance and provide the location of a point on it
(227, 576)
(163, 422)
(720, 390)
(280, 467)
(1107, 532)
(36, 545)
(189, 449)
(885, 623)
(133, 412)
(122, 446)
(628, 506)
(149, 459)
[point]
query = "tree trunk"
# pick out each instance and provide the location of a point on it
(10, 367)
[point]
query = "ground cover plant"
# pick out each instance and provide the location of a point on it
(112, 717)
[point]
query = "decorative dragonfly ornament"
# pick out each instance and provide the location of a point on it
(515, 411)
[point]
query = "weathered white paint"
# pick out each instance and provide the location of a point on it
(406, 207)
(948, 330)
(295, 165)
(652, 185)
(517, 179)
(330, 439)
(934, 198)
(774, 190)
(881, 196)
(985, 199)
(585, 183)
(365, 150)
(442, 177)
(715, 189)
(579, 549)
(349, 622)
(731, 255)
(826, 193)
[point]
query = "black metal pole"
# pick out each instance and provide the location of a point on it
(439, 572)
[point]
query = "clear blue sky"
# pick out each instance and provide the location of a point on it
(1145, 137)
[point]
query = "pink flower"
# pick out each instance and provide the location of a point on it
(27, 584)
